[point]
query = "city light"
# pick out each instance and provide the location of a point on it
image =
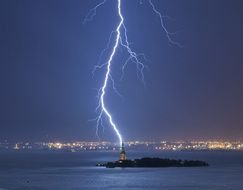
(131, 145)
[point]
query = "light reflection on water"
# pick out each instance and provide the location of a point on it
(63, 170)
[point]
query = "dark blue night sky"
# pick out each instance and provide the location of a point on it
(47, 56)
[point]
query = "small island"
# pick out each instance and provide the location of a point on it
(153, 162)
(148, 162)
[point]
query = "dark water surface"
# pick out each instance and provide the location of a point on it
(66, 170)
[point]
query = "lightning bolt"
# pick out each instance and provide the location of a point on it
(120, 39)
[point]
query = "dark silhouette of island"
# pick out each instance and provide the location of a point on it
(154, 163)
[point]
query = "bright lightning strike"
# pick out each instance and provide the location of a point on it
(121, 39)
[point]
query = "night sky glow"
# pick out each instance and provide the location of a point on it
(47, 56)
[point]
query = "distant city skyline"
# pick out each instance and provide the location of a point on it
(191, 93)
(129, 145)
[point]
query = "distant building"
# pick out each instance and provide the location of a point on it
(122, 153)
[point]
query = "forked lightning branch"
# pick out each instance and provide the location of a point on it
(120, 40)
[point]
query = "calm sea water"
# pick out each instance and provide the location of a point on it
(76, 171)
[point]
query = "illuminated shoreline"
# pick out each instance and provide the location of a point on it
(130, 145)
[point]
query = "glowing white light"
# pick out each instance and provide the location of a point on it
(107, 75)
